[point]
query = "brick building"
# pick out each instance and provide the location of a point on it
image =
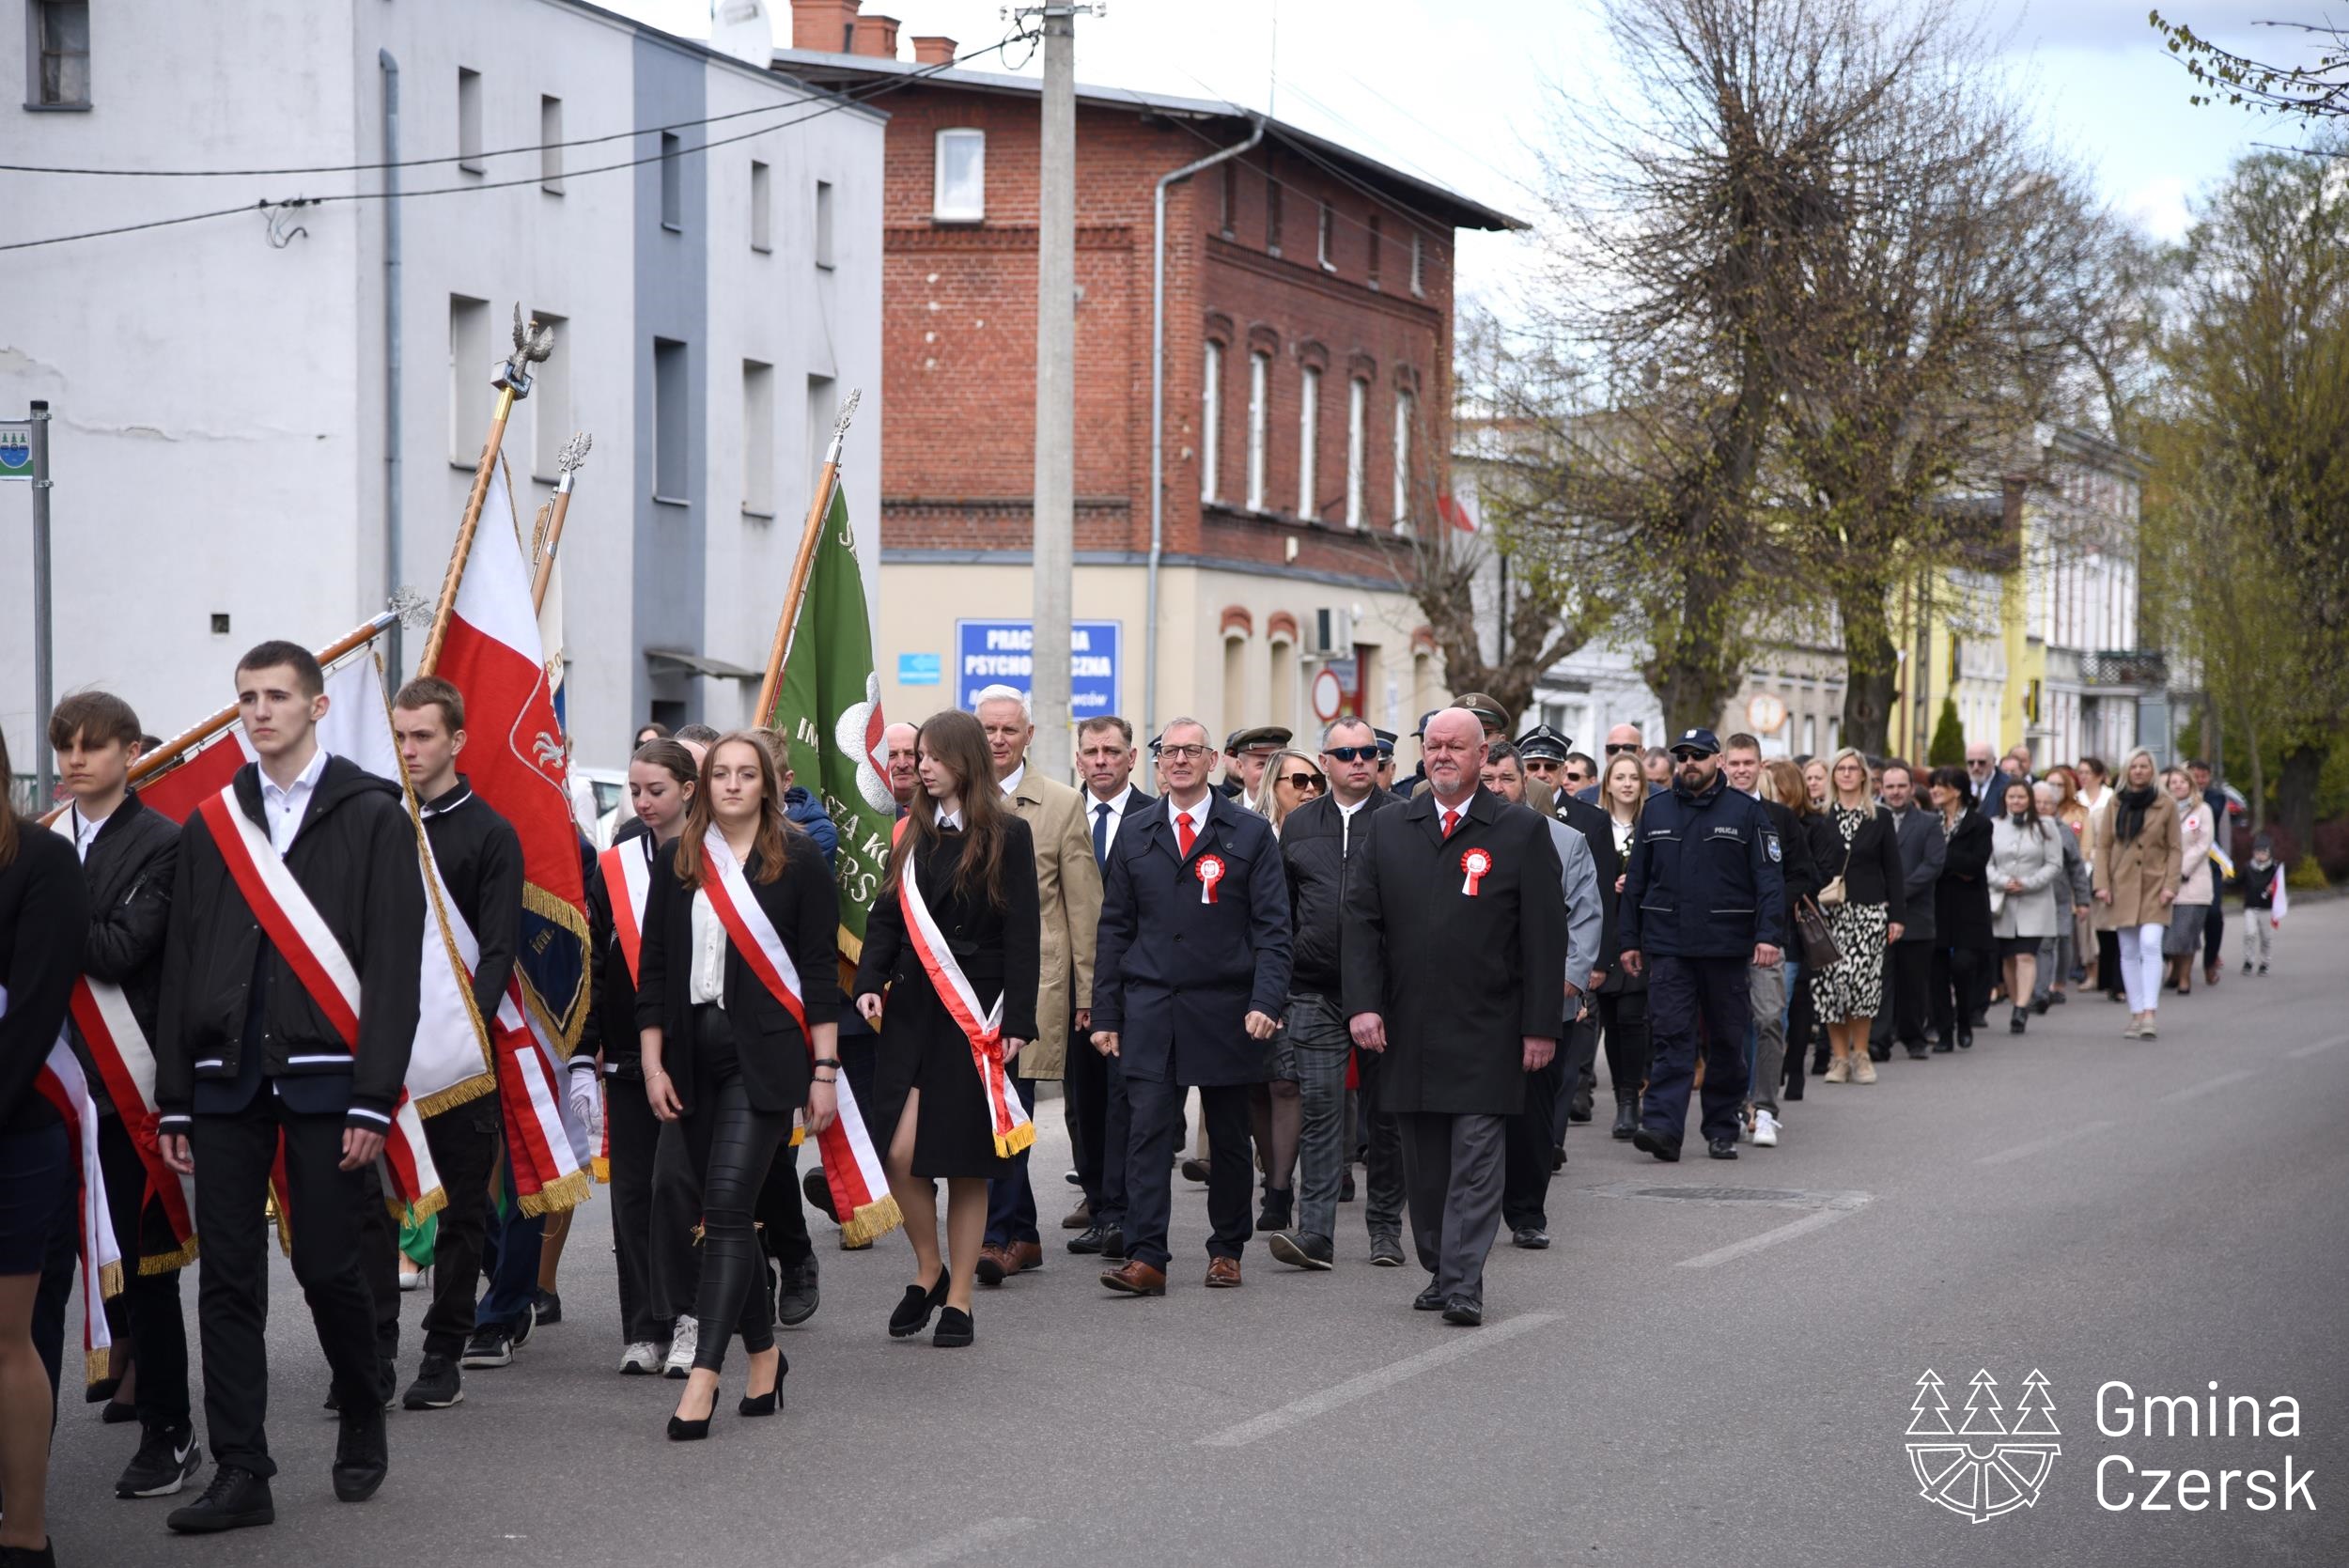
(1308, 341)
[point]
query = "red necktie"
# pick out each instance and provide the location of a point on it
(1185, 834)
(1451, 820)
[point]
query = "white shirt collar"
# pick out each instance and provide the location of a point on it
(1011, 784)
(284, 807)
(950, 819)
(304, 783)
(1346, 810)
(86, 830)
(1197, 813)
(1116, 803)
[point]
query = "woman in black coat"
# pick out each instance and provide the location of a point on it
(1962, 942)
(1865, 851)
(724, 1056)
(974, 863)
(44, 915)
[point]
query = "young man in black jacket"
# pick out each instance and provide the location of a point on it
(245, 1055)
(128, 854)
(480, 860)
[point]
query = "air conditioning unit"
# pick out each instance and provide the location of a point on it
(1331, 633)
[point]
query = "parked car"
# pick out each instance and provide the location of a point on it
(598, 796)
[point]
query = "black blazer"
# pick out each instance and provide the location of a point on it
(1873, 874)
(1000, 950)
(774, 1054)
(1597, 829)
(44, 913)
(129, 871)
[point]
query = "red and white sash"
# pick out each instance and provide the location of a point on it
(126, 1065)
(61, 1083)
(860, 1188)
(626, 883)
(1006, 1118)
(302, 937)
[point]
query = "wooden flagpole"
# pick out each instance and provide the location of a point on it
(531, 345)
(826, 484)
(574, 454)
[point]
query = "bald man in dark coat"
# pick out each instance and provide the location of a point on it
(1453, 959)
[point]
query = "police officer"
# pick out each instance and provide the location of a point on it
(1386, 739)
(1704, 899)
(1543, 751)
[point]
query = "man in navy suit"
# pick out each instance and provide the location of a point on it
(1100, 1115)
(1191, 973)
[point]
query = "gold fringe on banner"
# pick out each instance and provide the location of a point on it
(872, 1222)
(569, 1193)
(166, 1262)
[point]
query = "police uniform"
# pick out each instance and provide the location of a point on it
(1704, 888)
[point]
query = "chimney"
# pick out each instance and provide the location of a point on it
(932, 48)
(875, 35)
(823, 25)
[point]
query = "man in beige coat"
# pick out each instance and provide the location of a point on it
(1068, 887)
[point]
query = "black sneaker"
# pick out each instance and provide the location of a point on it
(798, 1299)
(438, 1385)
(236, 1499)
(163, 1464)
(523, 1325)
(1301, 1250)
(548, 1306)
(492, 1346)
(362, 1454)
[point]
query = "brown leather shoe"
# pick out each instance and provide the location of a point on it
(1079, 1218)
(1223, 1274)
(1135, 1278)
(1020, 1256)
(994, 1263)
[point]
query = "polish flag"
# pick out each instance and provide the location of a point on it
(1455, 511)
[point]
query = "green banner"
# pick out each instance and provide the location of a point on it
(829, 709)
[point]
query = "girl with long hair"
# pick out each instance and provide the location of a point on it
(1865, 919)
(2196, 883)
(2025, 863)
(1621, 995)
(955, 933)
(2137, 870)
(738, 1027)
(1290, 779)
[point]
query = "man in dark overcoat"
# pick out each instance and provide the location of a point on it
(1191, 973)
(1453, 956)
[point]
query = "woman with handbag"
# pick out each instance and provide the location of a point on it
(2025, 859)
(2137, 874)
(1864, 905)
(1961, 908)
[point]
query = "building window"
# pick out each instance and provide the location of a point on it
(1230, 197)
(1308, 440)
(59, 54)
(1281, 678)
(550, 146)
(1372, 271)
(1210, 420)
(1259, 413)
(1326, 242)
(1402, 459)
(1235, 677)
(758, 439)
(469, 120)
(823, 225)
(672, 183)
(1271, 214)
(762, 207)
(1418, 264)
(472, 360)
(1357, 439)
(669, 422)
(960, 193)
(550, 402)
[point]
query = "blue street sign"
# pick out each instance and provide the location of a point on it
(989, 653)
(919, 669)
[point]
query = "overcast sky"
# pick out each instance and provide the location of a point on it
(1453, 89)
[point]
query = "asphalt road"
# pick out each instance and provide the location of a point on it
(1694, 1379)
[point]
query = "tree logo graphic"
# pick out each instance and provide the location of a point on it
(1985, 1480)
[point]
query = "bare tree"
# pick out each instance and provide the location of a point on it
(2316, 88)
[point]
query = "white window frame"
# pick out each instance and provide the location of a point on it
(1418, 264)
(941, 209)
(1308, 439)
(1326, 240)
(1403, 403)
(1210, 420)
(36, 48)
(1357, 458)
(1259, 417)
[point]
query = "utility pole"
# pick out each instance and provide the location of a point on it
(1055, 388)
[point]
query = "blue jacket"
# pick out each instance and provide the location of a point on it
(805, 810)
(1705, 879)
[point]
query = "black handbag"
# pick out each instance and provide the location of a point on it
(1819, 951)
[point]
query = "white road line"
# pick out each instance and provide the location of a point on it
(1736, 1249)
(2196, 1090)
(947, 1548)
(2024, 1151)
(1353, 1389)
(2320, 1045)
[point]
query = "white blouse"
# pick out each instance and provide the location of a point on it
(707, 983)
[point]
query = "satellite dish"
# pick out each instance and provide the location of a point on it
(740, 28)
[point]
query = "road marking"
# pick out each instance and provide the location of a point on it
(1736, 1249)
(2320, 1045)
(946, 1548)
(2024, 1151)
(2196, 1090)
(1300, 1410)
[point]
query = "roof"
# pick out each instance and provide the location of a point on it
(824, 68)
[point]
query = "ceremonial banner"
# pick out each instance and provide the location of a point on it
(829, 709)
(514, 759)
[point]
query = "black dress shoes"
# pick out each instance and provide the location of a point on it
(236, 1498)
(955, 1328)
(1966, 1039)
(1722, 1148)
(913, 1312)
(1467, 1313)
(1088, 1241)
(1918, 1052)
(1532, 1237)
(1428, 1300)
(1626, 1119)
(1579, 1108)
(1665, 1149)
(362, 1455)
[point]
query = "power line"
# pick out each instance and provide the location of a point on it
(843, 102)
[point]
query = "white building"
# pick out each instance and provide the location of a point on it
(223, 440)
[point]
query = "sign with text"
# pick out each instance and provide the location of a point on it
(918, 669)
(991, 653)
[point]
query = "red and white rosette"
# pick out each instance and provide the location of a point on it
(1209, 870)
(1475, 862)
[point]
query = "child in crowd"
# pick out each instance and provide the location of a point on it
(2264, 900)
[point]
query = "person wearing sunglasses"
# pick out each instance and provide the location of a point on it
(1542, 751)
(1620, 740)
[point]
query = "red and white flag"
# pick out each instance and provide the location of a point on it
(61, 1083)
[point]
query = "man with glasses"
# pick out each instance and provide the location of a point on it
(1580, 774)
(1543, 752)
(1317, 843)
(1621, 738)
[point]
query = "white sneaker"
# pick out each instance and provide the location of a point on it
(682, 1346)
(1765, 1129)
(640, 1359)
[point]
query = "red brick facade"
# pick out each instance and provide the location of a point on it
(958, 302)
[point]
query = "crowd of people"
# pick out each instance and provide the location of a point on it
(1337, 967)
